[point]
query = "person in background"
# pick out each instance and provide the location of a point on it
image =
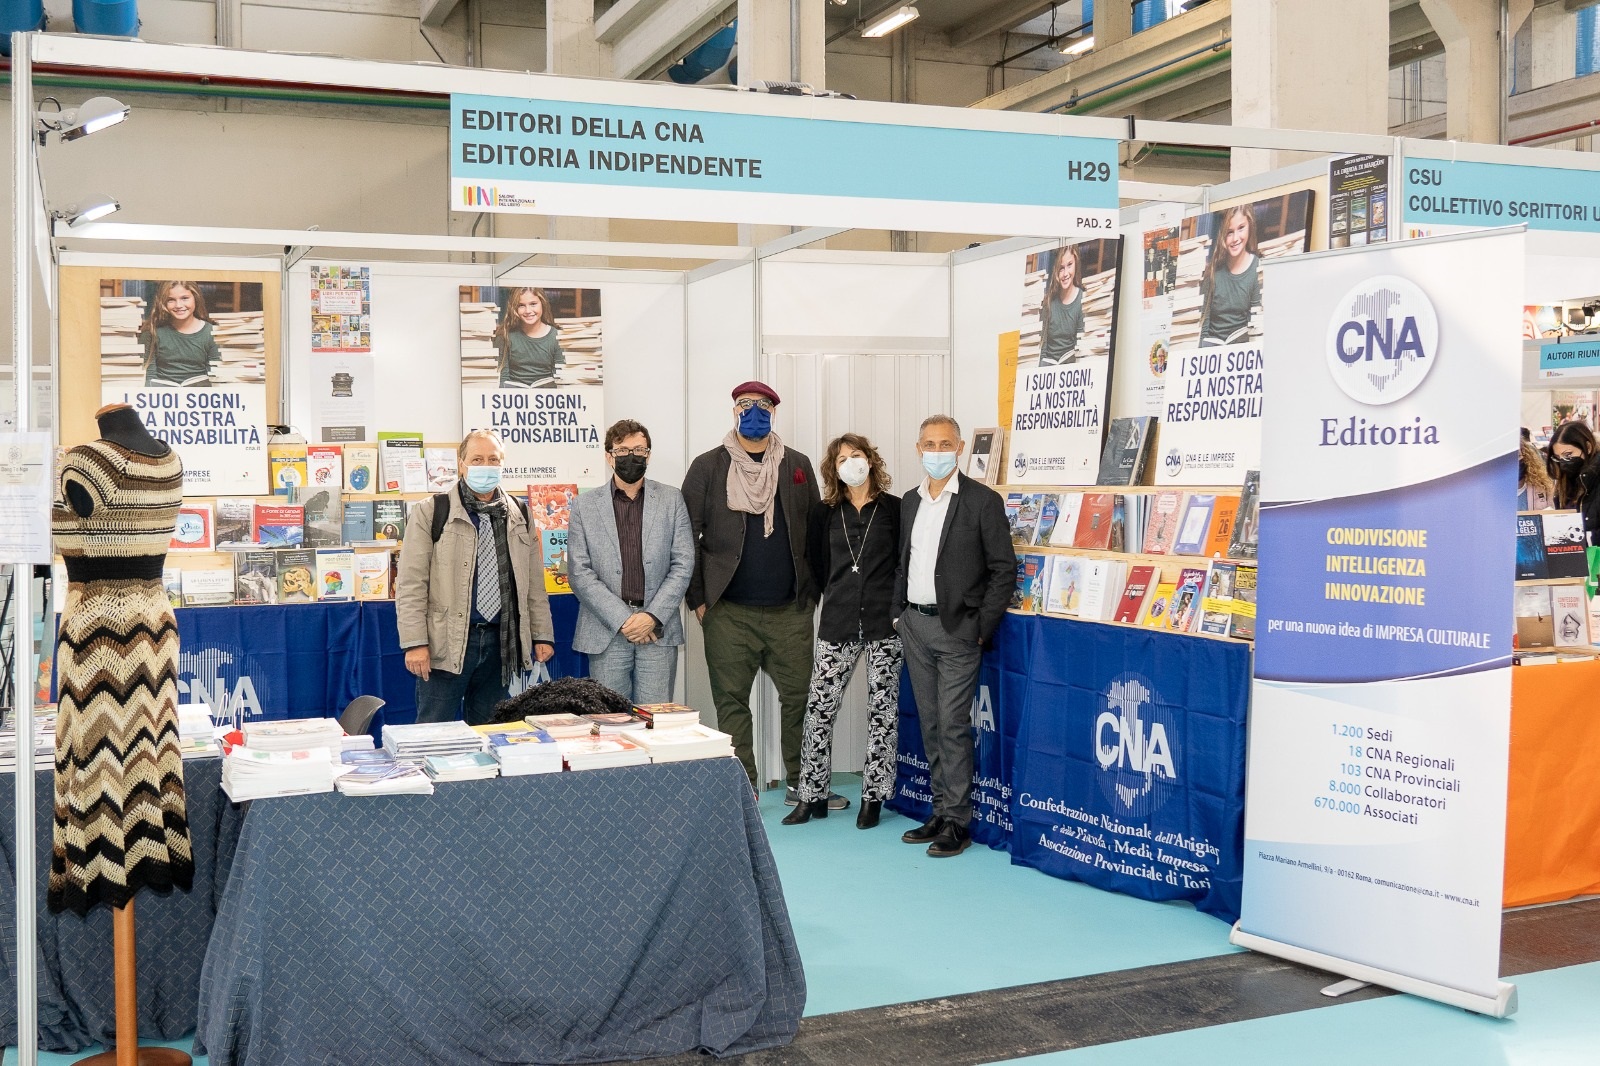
(1231, 287)
(471, 608)
(630, 554)
(954, 580)
(527, 341)
(179, 348)
(750, 501)
(1576, 455)
(1535, 490)
(1062, 314)
(852, 545)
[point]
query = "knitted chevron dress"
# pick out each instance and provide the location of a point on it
(120, 819)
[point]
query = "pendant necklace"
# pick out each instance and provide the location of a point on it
(855, 556)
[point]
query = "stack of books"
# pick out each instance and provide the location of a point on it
(682, 745)
(668, 715)
(414, 743)
(523, 750)
(376, 773)
(616, 722)
(468, 766)
(602, 752)
(197, 734)
(294, 734)
(44, 744)
(250, 774)
(561, 726)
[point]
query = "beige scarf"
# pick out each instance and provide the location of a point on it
(752, 485)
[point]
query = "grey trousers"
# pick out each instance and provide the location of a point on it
(944, 677)
(642, 672)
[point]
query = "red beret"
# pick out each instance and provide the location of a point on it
(756, 388)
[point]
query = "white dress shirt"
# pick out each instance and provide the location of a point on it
(925, 541)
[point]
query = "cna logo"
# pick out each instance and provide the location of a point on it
(983, 710)
(479, 196)
(215, 675)
(1020, 462)
(1383, 339)
(1173, 462)
(1133, 744)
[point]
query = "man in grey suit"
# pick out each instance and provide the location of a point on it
(957, 571)
(630, 554)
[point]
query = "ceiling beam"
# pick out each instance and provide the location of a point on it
(434, 12)
(623, 16)
(659, 31)
(1003, 17)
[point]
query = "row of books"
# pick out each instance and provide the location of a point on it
(293, 575)
(196, 738)
(399, 462)
(1170, 522)
(1552, 616)
(1217, 599)
(309, 518)
(1551, 544)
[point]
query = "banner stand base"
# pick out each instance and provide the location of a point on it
(1501, 1005)
(1345, 987)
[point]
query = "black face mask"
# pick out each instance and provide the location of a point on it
(1571, 464)
(630, 468)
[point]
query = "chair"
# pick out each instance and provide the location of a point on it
(357, 717)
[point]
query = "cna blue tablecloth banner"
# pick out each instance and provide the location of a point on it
(309, 660)
(1108, 755)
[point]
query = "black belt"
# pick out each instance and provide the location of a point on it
(930, 609)
(486, 625)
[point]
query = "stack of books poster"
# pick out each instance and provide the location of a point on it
(417, 742)
(467, 766)
(377, 773)
(685, 744)
(250, 774)
(603, 752)
(294, 734)
(561, 726)
(523, 750)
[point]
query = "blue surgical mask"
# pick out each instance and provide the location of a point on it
(483, 478)
(939, 465)
(755, 423)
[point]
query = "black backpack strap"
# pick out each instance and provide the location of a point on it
(441, 513)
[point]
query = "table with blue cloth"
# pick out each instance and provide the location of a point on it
(77, 1004)
(561, 918)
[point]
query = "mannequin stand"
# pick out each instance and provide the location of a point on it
(128, 1052)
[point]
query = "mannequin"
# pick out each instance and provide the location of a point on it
(121, 818)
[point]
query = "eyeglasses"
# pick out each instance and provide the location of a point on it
(745, 405)
(642, 453)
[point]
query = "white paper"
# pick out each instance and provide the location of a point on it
(26, 466)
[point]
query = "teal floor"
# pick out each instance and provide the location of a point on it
(879, 922)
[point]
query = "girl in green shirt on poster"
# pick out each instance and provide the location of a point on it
(1062, 313)
(1232, 282)
(527, 340)
(178, 346)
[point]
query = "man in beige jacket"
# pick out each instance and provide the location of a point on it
(471, 606)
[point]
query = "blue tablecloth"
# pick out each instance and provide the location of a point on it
(77, 1004)
(309, 660)
(577, 917)
(1106, 754)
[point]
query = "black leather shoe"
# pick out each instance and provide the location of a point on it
(804, 812)
(867, 816)
(953, 839)
(924, 832)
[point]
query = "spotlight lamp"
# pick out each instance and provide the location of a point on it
(91, 116)
(86, 210)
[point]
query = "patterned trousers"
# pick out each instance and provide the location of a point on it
(831, 672)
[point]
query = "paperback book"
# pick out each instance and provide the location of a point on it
(1192, 531)
(1135, 595)
(286, 465)
(1565, 547)
(357, 525)
(1243, 624)
(278, 525)
(1216, 607)
(1127, 451)
(1242, 543)
(325, 467)
(297, 576)
(372, 574)
(193, 529)
(323, 513)
(235, 523)
(207, 588)
(389, 520)
(1530, 548)
(1162, 528)
(336, 574)
(360, 469)
(1094, 521)
(1067, 523)
(255, 577)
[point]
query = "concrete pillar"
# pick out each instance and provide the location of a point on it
(1308, 66)
(571, 49)
(1555, 45)
(1113, 22)
(771, 50)
(1470, 30)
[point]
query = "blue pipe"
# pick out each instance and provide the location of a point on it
(19, 16)
(107, 18)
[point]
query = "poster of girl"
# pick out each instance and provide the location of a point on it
(530, 336)
(1069, 303)
(179, 347)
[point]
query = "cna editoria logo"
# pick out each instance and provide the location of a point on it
(1383, 339)
(1020, 461)
(1133, 743)
(1173, 462)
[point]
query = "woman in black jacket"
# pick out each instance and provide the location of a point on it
(1576, 456)
(852, 545)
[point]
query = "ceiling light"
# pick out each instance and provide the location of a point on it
(87, 210)
(1078, 47)
(890, 21)
(91, 116)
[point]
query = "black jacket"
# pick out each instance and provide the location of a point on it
(719, 532)
(856, 605)
(1589, 481)
(977, 567)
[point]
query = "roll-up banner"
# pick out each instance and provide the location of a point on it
(1380, 729)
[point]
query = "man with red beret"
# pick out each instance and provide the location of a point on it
(750, 501)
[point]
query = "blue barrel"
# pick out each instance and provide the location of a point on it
(707, 59)
(107, 18)
(19, 16)
(1588, 53)
(1147, 13)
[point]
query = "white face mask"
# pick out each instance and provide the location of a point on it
(853, 471)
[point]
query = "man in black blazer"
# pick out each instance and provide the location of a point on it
(957, 571)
